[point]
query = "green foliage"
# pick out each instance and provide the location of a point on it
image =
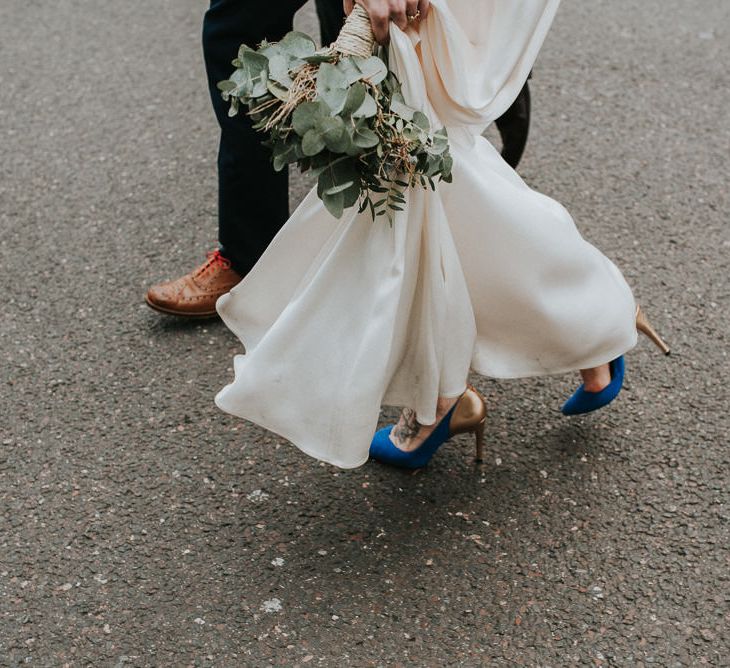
(308, 115)
(332, 87)
(342, 117)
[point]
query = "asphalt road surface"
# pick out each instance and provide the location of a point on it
(140, 526)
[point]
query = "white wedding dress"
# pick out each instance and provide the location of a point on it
(341, 316)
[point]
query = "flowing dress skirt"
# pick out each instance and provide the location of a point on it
(341, 316)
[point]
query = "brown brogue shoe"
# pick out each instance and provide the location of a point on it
(195, 294)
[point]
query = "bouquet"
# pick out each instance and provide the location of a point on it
(339, 113)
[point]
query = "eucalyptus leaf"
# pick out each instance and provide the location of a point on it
(439, 144)
(364, 137)
(279, 163)
(334, 133)
(278, 91)
(399, 107)
(332, 87)
(272, 50)
(244, 49)
(322, 161)
(312, 142)
(391, 85)
(351, 195)
(320, 57)
(349, 68)
(421, 120)
(352, 148)
(367, 109)
(283, 154)
(251, 77)
(275, 51)
(335, 204)
(226, 86)
(307, 115)
(336, 173)
(338, 189)
(269, 50)
(448, 164)
(412, 133)
(373, 69)
(279, 70)
(298, 44)
(355, 98)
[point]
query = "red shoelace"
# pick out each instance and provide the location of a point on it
(215, 259)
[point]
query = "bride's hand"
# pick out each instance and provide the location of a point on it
(381, 12)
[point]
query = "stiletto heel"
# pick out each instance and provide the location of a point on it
(467, 415)
(644, 326)
(583, 401)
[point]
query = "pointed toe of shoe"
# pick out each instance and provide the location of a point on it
(383, 450)
(381, 446)
(577, 403)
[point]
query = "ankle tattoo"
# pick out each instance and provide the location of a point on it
(407, 426)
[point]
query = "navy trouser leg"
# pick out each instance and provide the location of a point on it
(514, 126)
(253, 199)
(331, 14)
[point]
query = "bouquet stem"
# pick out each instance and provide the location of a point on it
(356, 37)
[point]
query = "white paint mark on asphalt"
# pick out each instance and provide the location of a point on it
(272, 605)
(257, 496)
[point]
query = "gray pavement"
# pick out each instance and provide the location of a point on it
(140, 526)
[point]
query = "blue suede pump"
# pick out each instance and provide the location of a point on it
(583, 401)
(468, 415)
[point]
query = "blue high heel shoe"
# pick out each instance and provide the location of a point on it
(583, 401)
(468, 415)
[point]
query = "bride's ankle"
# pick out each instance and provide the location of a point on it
(597, 378)
(408, 433)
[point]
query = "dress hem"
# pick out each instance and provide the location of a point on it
(305, 449)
